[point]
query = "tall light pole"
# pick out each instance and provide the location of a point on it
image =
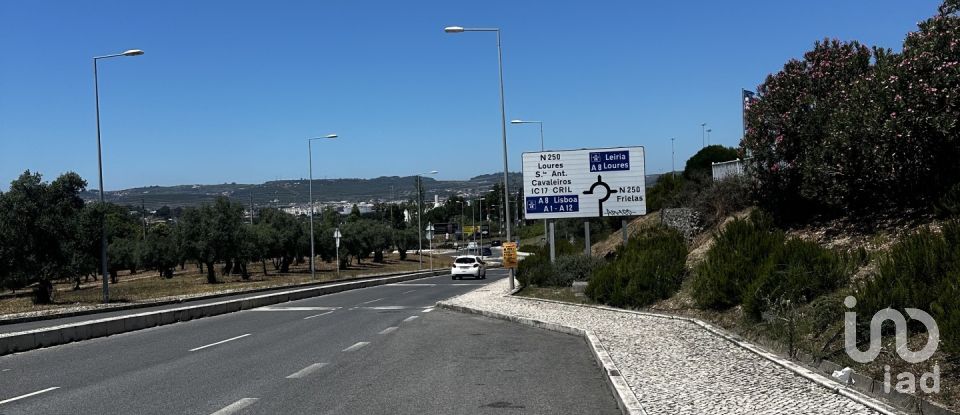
(703, 135)
(503, 124)
(313, 270)
(546, 232)
(103, 228)
(419, 223)
(461, 202)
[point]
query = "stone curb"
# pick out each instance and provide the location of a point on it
(626, 400)
(798, 369)
(85, 330)
(28, 319)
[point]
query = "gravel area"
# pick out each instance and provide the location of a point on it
(675, 366)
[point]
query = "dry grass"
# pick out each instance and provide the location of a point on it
(149, 287)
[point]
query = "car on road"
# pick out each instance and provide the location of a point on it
(495, 242)
(486, 252)
(468, 265)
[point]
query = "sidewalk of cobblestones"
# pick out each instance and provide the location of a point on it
(677, 365)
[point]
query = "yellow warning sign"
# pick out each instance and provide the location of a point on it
(509, 254)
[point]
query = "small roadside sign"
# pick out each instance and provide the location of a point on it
(509, 254)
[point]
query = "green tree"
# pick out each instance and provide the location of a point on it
(38, 232)
(699, 165)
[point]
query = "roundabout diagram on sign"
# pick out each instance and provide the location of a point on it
(609, 191)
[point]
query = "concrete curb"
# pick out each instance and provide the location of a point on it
(28, 319)
(797, 369)
(626, 399)
(85, 330)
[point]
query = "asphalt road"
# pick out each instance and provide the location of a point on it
(378, 350)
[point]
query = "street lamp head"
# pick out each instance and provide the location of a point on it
(133, 52)
(516, 121)
(330, 136)
(432, 172)
(453, 29)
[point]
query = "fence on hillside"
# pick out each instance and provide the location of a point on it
(725, 169)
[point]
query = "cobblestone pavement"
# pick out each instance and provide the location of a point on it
(675, 366)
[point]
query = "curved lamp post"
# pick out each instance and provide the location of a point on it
(103, 234)
(503, 124)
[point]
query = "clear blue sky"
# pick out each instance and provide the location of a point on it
(229, 90)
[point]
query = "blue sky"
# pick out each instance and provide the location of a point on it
(228, 91)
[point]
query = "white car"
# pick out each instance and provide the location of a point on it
(468, 265)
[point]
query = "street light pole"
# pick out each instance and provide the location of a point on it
(313, 271)
(703, 135)
(503, 126)
(546, 230)
(673, 169)
(103, 227)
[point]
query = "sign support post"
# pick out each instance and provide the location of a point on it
(586, 237)
(553, 244)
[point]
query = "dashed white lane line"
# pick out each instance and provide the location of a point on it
(236, 406)
(356, 347)
(317, 315)
(17, 398)
(428, 309)
(407, 292)
(409, 319)
(5, 370)
(413, 285)
(371, 301)
(268, 308)
(307, 370)
(219, 342)
(389, 330)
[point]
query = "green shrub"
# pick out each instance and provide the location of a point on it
(949, 204)
(801, 271)
(722, 198)
(534, 269)
(570, 268)
(921, 271)
(649, 268)
(740, 255)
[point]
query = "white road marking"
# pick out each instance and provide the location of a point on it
(428, 309)
(356, 347)
(414, 285)
(17, 398)
(407, 292)
(462, 284)
(317, 315)
(219, 342)
(307, 370)
(268, 308)
(5, 370)
(236, 406)
(409, 319)
(389, 330)
(371, 301)
(387, 307)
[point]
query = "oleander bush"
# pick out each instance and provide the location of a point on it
(649, 268)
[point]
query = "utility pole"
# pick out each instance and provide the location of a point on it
(251, 208)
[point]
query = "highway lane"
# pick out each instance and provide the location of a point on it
(311, 356)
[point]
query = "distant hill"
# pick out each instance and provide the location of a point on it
(286, 192)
